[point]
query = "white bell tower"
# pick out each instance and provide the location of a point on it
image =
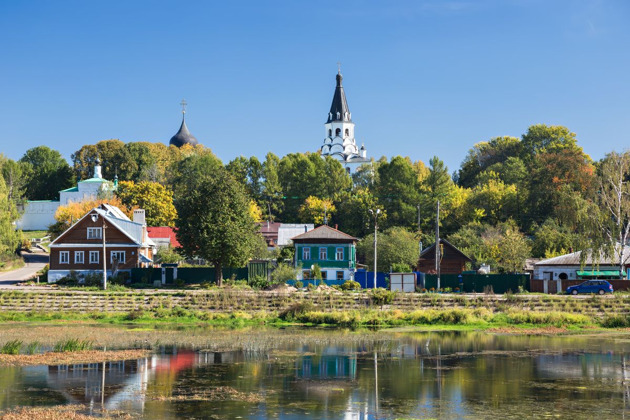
(339, 127)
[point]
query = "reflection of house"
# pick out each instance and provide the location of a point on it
(568, 267)
(332, 250)
(452, 260)
(40, 214)
(80, 247)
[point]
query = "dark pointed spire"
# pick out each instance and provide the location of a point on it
(183, 136)
(339, 108)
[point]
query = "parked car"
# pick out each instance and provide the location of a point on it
(591, 286)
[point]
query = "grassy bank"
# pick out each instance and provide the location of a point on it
(230, 307)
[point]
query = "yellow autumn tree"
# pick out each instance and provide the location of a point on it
(154, 198)
(314, 209)
(69, 214)
(255, 211)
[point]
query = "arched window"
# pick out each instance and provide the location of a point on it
(338, 115)
(329, 133)
(347, 133)
(337, 132)
(563, 276)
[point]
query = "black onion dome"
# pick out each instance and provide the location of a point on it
(183, 136)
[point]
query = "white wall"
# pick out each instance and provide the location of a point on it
(38, 215)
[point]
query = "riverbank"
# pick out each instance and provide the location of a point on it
(234, 307)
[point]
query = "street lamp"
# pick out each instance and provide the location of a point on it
(94, 219)
(375, 213)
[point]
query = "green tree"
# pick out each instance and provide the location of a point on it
(271, 189)
(14, 174)
(397, 190)
(552, 239)
(541, 138)
(155, 199)
(46, 173)
(214, 219)
(353, 212)
(9, 237)
(485, 154)
(395, 245)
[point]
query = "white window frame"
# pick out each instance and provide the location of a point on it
(79, 257)
(95, 233)
(64, 257)
(339, 275)
(323, 251)
(118, 253)
(306, 253)
(94, 257)
(339, 251)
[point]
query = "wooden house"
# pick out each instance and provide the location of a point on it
(452, 260)
(332, 250)
(80, 248)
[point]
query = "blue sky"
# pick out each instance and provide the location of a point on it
(422, 77)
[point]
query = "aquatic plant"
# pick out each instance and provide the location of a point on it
(73, 344)
(11, 347)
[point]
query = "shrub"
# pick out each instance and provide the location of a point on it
(282, 273)
(93, 279)
(259, 282)
(179, 283)
(310, 287)
(401, 268)
(351, 285)
(615, 321)
(134, 314)
(295, 311)
(381, 296)
(298, 284)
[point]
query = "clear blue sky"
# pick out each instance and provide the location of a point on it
(422, 78)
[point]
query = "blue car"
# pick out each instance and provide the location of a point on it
(591, 286)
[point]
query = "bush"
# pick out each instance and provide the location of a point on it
(295, 311)
(351, 285)
(298, 284)
(179, 282)
(282, 273)
(401, 268)
(134, 314)
(310, 287)
(381, 296)
(93, 279)
(259, 282)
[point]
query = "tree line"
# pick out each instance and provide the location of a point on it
(512, 198)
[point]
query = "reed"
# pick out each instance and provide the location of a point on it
(11, 347)
(73, 344)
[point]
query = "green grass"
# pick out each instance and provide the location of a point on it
(11, 347)
(71, 345)
(34, 234)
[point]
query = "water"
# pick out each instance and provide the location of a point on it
(448, 375)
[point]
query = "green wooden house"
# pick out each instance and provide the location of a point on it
(332, 250)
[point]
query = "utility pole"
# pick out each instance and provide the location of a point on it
(375, 213)
(437, 244)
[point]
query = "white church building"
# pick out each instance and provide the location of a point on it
(339, 141)
(39, 214)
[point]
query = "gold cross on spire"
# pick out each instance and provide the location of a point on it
(183, 103)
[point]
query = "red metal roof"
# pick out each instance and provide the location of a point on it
(164, 232)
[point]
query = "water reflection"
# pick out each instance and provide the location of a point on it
(439, 375)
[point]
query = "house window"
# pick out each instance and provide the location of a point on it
(64, 257)
(78, 257)
(93, 257)
(339, 275)
(323, 253)
(339, 254)
(306, 253)
(324, 275)
(94, 233)
(118, 256)
(306, 274)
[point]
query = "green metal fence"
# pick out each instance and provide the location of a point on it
(479, 283)
(190, 275)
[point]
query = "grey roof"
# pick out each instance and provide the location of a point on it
(324, 232)
(574, 258)
(117, 218)
(339, 104)
(183, 136)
